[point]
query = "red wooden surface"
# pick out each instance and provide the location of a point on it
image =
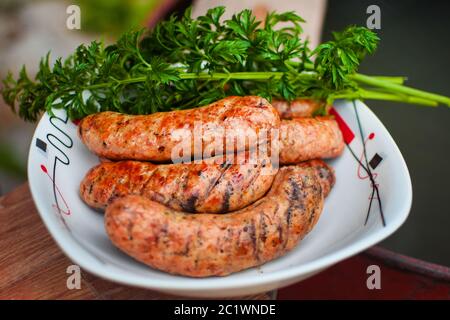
(401, 278)
(33, 267)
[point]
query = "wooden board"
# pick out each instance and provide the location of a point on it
(33, 267)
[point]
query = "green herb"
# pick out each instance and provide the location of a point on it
(184, 63)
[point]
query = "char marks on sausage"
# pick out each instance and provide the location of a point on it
(214, 185)
(156, 136)
(218, 244)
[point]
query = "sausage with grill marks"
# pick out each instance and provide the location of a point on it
(164, 136)
(324, 172)
(297, 108)
(215, 185)
(202, 245)
(303, 139)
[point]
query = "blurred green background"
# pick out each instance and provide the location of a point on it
(114, 16)
(29, 29)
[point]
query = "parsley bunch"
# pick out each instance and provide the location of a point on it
(184, 63)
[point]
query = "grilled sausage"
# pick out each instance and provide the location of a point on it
(159, 136)
(298, 108)
(309, 138)
(202, 245)
(215, 185)
(324, 173)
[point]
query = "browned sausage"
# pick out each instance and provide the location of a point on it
(157, 137)
(324, 172)
(216, 185)
(309, 138)
(202, 245)
(301, 107)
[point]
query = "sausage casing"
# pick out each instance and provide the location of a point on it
(163, 136)
(324, 173)
(202, 245)
(301, 107)
(303, 139)
(215, 185)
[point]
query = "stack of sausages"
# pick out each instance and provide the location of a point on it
(213, 215)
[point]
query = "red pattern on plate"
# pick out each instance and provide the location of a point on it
(59, 210)
(347, 133)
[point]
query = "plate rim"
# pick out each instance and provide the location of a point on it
(78, 254)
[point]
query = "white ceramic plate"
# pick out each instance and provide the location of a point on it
(58, 161)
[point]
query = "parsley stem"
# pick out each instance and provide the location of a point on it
(108, 84)
(377, 95)
(233, 75)
(395, 85)
(397, 88)
(202, 76)
(397, 80)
